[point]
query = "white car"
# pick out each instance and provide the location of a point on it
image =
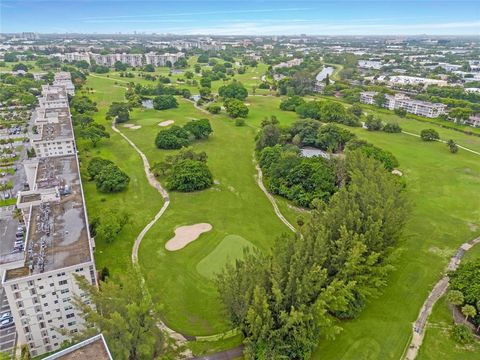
(5, 323)
(6, 315)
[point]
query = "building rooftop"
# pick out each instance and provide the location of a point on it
(57, 234)
(93, 348)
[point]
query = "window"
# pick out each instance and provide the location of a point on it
(63, 282)
(64, 291)
(72, 323)
(69, 316)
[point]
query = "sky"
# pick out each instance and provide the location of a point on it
(243, 17)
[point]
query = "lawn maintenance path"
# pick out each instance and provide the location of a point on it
(272, 200)
(437, 292)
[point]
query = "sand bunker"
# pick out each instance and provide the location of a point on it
(128, 125)
(184, 235)
(397, 172)
(166, 123)
(136, 127)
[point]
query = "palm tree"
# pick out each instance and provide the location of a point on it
(455, 298)
(468, 310)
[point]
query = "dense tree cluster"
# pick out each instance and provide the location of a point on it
(327, 111)
(108, 226)
(177, 137)
(291, 103)
(234, 90)
(186, 171)
(19, 90)
(107, 176)
(286, 301)
(388, 160)
(297, 178)
(163, 102)
(465, 289)
(120, 111)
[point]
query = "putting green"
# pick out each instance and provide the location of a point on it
(229, 249)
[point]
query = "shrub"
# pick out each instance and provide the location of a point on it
(392, 128)
(373, 123)
(461, 334)
(429, 135)
(239, 122)
(111, 179)
(214, 108)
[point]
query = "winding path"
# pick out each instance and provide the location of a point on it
(272, 200)
(437, 292)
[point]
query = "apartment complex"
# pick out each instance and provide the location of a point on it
(40, 288)
(134, 60)
(401, 101)
(162, 59)
(289, 63)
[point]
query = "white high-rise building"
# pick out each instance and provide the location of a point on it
(40, 288)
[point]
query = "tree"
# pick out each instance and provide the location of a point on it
(163, 102)
(462, 334)
(268, 136)
(452, 146)
(236, 108)
(94, 132)
(96, 165)
(20, 66)
(149, 68)
(125, 314)
(205, 93)
(203, 58)
(392, 127)
(356, 110)
(181, 63)
(373, 123)
(173, 138)
(429, 135)
(291, 103)
(111, 179)
(200, 129)
(119, 66)
(333, 138)
(468, 311)
(189, 175)
(234, 90)
(459, 114)
(82, 120)
(455, 297)
(83, 104)
(120, 111)
(286, 300)
(214, 108)
(110, 225)
(380, 99)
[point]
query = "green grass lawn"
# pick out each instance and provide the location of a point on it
(228, 250)
(443, 188)
(234, 206)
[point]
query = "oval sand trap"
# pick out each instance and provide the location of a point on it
(136, 127)
(184, 235)
(166, 123)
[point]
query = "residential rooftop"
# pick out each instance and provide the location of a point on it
(93, 348)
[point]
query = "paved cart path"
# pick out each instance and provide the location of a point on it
(437, 292)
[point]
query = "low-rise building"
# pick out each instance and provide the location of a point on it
(162, 59)
(93, 348)
(401, 101)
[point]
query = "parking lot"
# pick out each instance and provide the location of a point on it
(8, 336)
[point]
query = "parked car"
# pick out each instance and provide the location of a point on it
(6, 323)
(6, 315)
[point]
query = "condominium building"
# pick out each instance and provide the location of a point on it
(77, 56)
(64, 79)
(162, 59)
(289, 63)
(133, 60)
(401, 101)
(41, 287)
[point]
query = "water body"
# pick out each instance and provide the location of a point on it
(311, 152)
(147, 104)
(322, 75)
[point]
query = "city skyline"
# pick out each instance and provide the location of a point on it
(244, 18)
